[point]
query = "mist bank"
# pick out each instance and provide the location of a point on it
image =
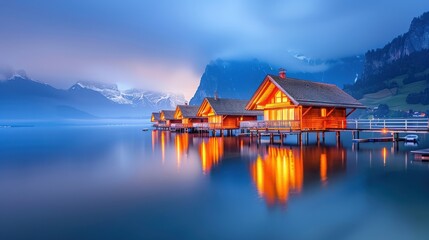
(25, 123)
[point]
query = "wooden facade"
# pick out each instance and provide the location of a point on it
(188, 116)
(225, 114)
(155, 118)
(167, 116)
(301, 105)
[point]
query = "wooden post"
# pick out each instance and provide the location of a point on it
(299, 138)
(396, 136)
(317, 137)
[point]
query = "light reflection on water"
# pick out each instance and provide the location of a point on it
(120, 182)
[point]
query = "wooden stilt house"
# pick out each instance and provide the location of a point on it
(168, 117)
(295, 104)
(155, 118)
(226, 114)
(188, 116)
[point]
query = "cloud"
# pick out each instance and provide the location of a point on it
(165, 45)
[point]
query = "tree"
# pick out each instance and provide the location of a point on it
(382, 111)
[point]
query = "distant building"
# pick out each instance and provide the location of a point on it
(188, 116)
(167, 116)
(225, 114)
(155, 118)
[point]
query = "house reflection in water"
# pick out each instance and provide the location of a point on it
(211, 151)
(171, 146)
(181, 142)
(280, 172)
(161, 138)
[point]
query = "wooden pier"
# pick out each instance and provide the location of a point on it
(282, 129)
(422, 155)
(406, 125)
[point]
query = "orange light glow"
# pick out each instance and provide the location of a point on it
(163, 142)
(181, 142)
(384, 152)
(154, 139)
(323, 168)
(384, 130)
(281, 172)
(211, 152)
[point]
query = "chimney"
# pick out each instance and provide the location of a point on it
(215, 95)
(282, 73)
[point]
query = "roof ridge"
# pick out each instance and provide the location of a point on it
(302, 80)
(222, 98)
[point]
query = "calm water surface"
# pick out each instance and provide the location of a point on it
(117, 182)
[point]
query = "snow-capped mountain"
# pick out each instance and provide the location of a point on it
(24, 98)
(142, 98)
(110, 91)
(157, 100)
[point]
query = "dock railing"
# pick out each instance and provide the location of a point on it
(201, 126)
(176, 125)
(277, 124)
(395, 124)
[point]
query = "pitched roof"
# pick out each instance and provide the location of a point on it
(188, 111)
(168, 114)
(308, 93)
(156, 116)
(225, 106)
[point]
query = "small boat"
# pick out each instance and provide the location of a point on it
(145, 129)
(411, 138)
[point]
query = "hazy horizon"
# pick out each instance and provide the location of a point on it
(159, 45)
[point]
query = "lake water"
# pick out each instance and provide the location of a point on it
(118, 182)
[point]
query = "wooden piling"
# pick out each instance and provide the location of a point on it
(337, 134)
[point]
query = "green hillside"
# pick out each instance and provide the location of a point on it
(395, 97)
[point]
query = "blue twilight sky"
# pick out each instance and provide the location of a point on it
(165, 45)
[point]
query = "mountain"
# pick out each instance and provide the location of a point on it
(415, 40)
(340, 71)
(237, 79)
(151, 100)
(23, 98)
(110, 91)
(398, 73)
(240, 79)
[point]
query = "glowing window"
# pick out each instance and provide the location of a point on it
(280, 97)
(215, 119)
(280, 114)
(323, 112)
(291, 114)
